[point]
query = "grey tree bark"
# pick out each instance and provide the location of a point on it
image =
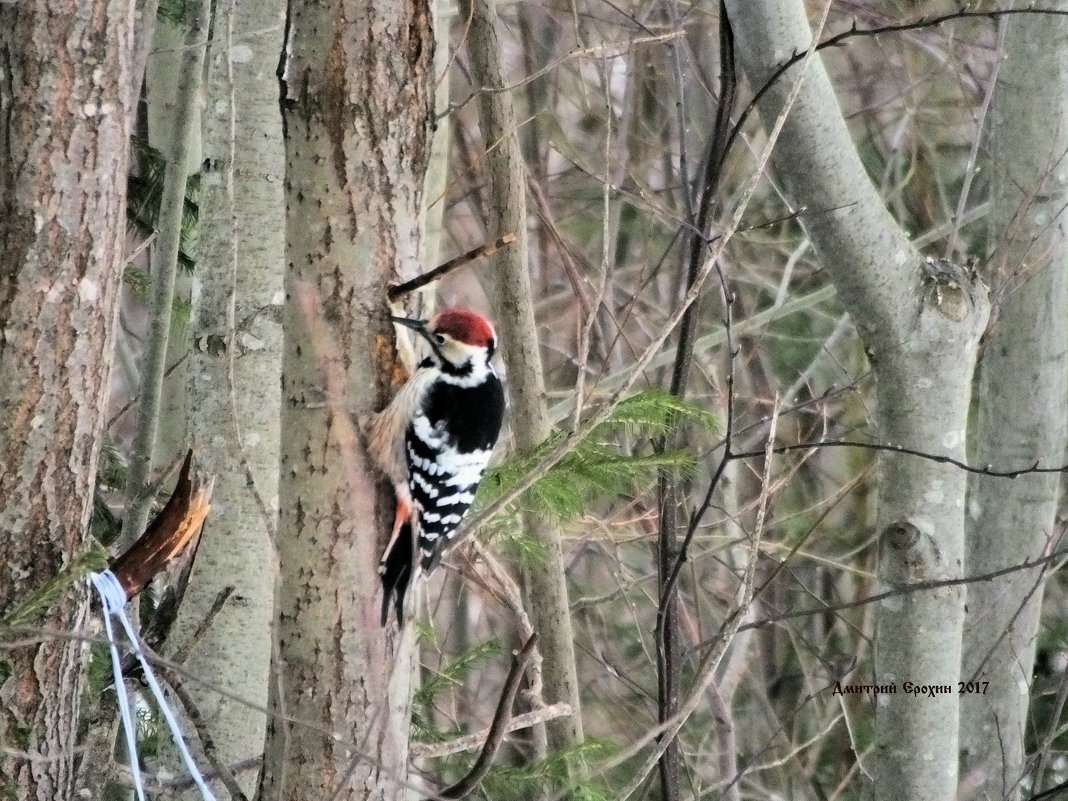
(1022, 394)
(235, 369)
(921, 329)
(66, 111)
(163, 74)
(356, 106)
(165, 265)
(437, 172)
(545, 581)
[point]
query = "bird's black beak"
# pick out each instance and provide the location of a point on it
(420, 327)
(415, 325)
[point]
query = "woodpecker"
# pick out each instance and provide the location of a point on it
(434, 440)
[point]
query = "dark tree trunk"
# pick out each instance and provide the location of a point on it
(65, 117)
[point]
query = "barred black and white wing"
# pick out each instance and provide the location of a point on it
(433, 441)
(448, 446)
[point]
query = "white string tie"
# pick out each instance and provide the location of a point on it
(113, 598)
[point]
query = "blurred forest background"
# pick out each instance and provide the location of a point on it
(784, 331)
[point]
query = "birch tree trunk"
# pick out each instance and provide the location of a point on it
(162, 77)
(437, 173)
(356, 105)
(139, 487)
(235, 372)
(545, 582)
(65, 117)
(921, 330)
(1022, 398)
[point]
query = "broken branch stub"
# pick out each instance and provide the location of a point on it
(169, 533)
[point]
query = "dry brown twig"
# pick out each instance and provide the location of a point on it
(481, 568)
(398, 291)
(221, 770)
(498, 728)
(471, 741)
(706, 671)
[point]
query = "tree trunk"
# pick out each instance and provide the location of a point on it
(235, 368)
(139, 487)
(437, 172)
(65, 117)
(921, 329)
(1021, 398)
(356, 105)
(546, 587)
(162, 77)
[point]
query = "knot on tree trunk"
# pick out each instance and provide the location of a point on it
(909, 553)
(954, 290)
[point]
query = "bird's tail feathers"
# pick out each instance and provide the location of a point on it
(396, 569)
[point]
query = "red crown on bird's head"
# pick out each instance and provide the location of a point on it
(465, 326)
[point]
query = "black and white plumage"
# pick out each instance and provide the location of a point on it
(434, 441)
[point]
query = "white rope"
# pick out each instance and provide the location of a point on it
(113, 598)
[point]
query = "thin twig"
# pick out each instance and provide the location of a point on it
(988, 470)
(181, 653)
(130, 404)
(575, 275)
(141, 247)
(728, 438)
(498, 728)
(970, 168)
(207, 742)
(232, 259)
(586, 329)
(904, 590)
(482, 251)
(471, 741)
(478, 566)
(1054, 719)
(666, 732)
(1010, 626)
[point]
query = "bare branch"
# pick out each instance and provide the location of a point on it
(207, 742)
(907, 589)
(498, 728)
(987, 470)
(471, 741)
(181, 653)
(397, 291)
(665, 732)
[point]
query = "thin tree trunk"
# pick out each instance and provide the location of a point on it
(356, 106)
(144, 33)
(546, 587)
(162, 76)
(165, 267)
(674, 488)
(1021, 397)
(437, 172)
(235, 368)
(921, 333)
(66, 113)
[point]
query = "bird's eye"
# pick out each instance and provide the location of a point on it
(439, 338)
